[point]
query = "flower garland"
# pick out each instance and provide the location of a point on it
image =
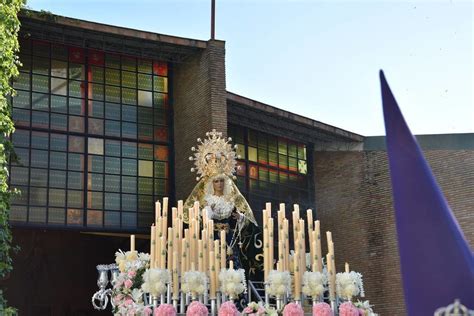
(314, 284)
(197, 309)
(194, 282)
(279, 283)
(155, 281)
(293, 309)
(127, 296)
(228, 309)
(349, 284)
(232, 282)
(322, 309)
(254, 309)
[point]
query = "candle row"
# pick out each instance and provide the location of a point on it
(180, 249)
(302, 230)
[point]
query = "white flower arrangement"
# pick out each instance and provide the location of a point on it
(232, 282)
(314, 284)
(270, 311)
(131, 259)
(365, 305)
(349, 284)
(194, 282)
(155, 281)
(279, 283)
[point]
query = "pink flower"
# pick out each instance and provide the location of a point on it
(248, 310)
(131, 273)
(293, 309)
(361, 312)
(118, 284)
(128, 284)
(165, 310)
(197, 309)
(117, 299)
(147, 311)
(228, 309)
(322, 309)
(127, 302)
(261, 311)
(348, 309)
(131, 312)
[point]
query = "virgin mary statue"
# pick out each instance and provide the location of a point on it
(215, 165)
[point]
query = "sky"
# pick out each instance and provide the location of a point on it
(321, 59)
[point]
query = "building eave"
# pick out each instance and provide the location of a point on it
(109, 38)
(315, 130)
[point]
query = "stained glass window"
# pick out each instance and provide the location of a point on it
(274, 169)
(83, 165)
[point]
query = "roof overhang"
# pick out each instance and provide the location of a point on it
(63, 30)
(253, 114)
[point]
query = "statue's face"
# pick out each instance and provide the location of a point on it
(218, 185)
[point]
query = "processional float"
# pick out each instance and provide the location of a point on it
(190, 269)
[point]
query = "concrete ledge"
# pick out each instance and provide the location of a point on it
(463, 141)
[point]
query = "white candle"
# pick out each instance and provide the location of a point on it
(169, 262)
(268, 208)
(212, 274)
(152, 246)
(266, 254)
(330, 279)
(183, 256)
(157, 211)
(217, 261)
(271, 257)
(318, 245)
(175, 275)
(297, 276)
(163, 253)
(132, 242)
(165, 206)
(223, 250)
(200, 256)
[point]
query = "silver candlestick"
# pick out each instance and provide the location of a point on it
(213, 307)
(333, 307)
(182, 304)
(100, 299)
(279, 303)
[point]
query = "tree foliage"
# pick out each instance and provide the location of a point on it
(9, 47)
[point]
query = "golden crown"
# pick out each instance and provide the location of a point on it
(214, 156)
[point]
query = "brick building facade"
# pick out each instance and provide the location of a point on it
(106, 117)
(353, 196)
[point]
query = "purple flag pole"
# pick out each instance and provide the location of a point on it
(437, 263)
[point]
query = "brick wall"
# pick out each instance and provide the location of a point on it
(200, 105)
(353, 198)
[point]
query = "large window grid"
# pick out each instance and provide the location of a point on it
(92, 136)
(271, 169)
